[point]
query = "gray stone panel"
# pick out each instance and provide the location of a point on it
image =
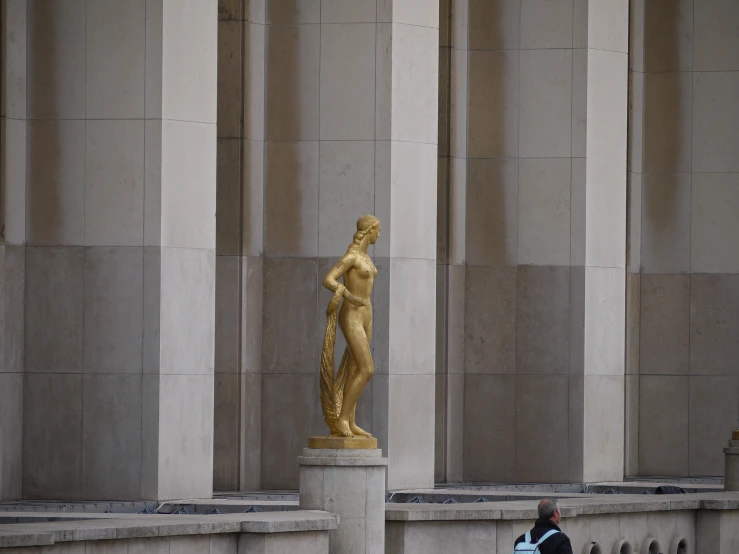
(489, 428)
(664, 325)
(714, 325)
(290, 414)
(290, 338)
(490, 320)
(52, 436)
(228, 291)
(714, 414)
(11, 435)
(541, 456)
(543, 320)
(54, 309)
(111, 436)
(663, 425)
(227, 413)
(113, 318)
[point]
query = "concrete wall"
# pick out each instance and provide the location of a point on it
(588, 534)
(683, 279)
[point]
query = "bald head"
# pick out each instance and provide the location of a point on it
(548, 509)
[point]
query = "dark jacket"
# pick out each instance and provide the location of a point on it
(558, 543)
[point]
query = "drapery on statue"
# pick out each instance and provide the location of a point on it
(340, 391)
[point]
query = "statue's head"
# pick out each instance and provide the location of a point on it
(368, 227)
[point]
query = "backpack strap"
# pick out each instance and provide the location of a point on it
(548, 534)
(527, 537)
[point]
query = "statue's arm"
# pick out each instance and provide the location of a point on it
(331, 281)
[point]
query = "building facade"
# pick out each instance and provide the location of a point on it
(558, 288)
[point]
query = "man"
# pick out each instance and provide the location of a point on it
(546, 537)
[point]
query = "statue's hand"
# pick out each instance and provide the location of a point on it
(355, 300)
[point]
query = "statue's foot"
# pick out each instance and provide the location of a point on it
(359, 431)
(343, 428)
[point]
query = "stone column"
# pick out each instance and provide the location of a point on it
(12, 242)
(350, 483)
(450, 268)
(120, 234)
(179, 240)
(406, 127)
(598, 204)
(239, 245)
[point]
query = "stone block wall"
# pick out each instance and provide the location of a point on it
(683, 278)
(130, 306)
(676, 532)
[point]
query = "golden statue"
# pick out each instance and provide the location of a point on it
(340, 391)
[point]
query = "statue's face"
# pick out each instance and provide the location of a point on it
(374, 234)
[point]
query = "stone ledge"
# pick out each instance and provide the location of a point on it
(440, 512)
(571, 507)
(127, 526)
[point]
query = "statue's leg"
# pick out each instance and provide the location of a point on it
(356, 340)
(352, 420)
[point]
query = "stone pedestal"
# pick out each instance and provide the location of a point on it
(731, 471)
(350, 483)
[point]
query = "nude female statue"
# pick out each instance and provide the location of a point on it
(340, 392)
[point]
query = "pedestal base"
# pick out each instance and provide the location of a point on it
(351, 483)
(339, 443)
(731, 468)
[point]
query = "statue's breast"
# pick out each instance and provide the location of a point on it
(366, 270)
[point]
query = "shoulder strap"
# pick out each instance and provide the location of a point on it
(548, 534)
(527, 537)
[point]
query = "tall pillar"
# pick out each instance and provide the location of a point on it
(406, 130)
(239, 245)
(451, 208)
(350, 127)
(598, 290)
(12, 239)
(120, 233)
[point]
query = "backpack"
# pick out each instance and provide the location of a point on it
(532, 547)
